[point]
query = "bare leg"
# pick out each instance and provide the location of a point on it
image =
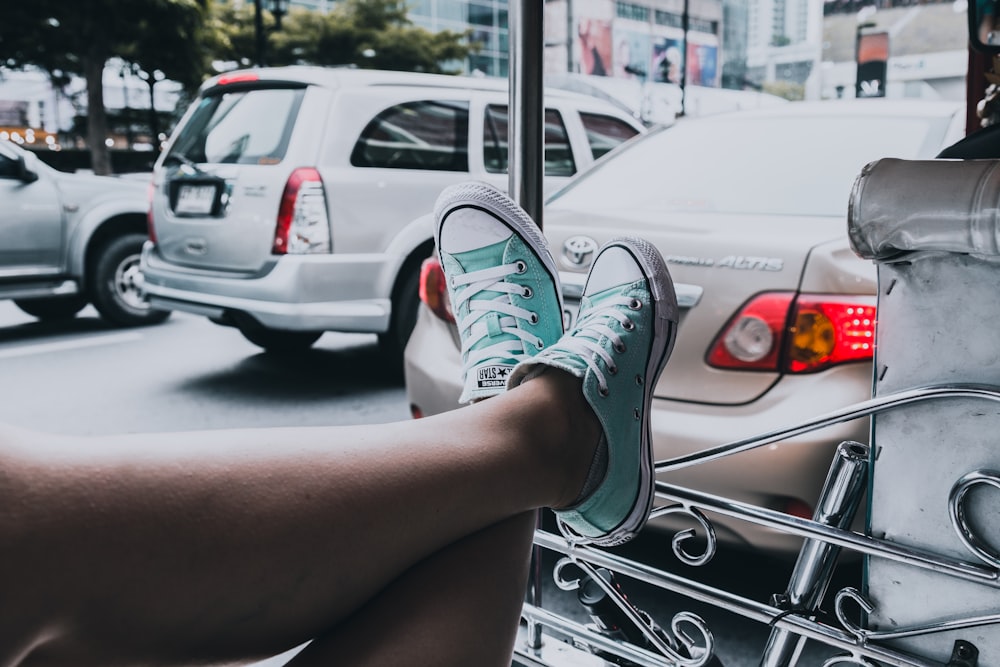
(458, 607)
(238, 544)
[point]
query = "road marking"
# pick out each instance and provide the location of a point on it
(75, 344)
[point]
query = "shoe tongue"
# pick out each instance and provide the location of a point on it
(596, 300)
(475, 260)
(573, 362)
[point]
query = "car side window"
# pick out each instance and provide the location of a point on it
(605, 132)
(558, 154)
(431, 135)
(8, 167)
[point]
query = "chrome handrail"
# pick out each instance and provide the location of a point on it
(863, 647)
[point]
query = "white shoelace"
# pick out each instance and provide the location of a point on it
(583, 343)
(492, 280)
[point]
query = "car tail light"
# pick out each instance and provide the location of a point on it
(797, 507)
(783, 332)
(150, 230)
(303, 226)
(434, 289)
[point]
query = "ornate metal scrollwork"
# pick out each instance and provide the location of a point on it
(959, 519)
(699, 649)
(682, 536)
(852, 628)
(865, 636)
(858, 660)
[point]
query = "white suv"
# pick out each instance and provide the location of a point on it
(283, 201)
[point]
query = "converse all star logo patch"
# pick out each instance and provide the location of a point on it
(492, 376)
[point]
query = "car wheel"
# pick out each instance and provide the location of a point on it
(404, 317)
(280, 342)
(52, 309)
(116, 283)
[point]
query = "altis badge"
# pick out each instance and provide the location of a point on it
(737, 262)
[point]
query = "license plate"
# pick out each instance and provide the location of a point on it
(195, 199)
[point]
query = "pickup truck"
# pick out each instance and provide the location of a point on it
(68, 240)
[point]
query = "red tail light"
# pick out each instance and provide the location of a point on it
(780, 332)
(150, 230)
(303, 226)
(434, 289)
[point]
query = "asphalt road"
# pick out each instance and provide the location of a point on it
(87, 378)
(84, 377)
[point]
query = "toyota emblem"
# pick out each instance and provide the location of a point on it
(578, 251)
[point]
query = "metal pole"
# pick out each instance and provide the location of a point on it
(685, 20)
(845, 484)
(525, 145)
(525, 130)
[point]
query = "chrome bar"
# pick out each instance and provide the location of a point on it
(843, 538)
(792, 621)
(525, 129)
(855, 411)
(582, 634)
(839, 500)
(727, 601)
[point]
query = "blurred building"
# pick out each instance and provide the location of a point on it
(928, 52)
(640, 40)
(34, 110)
(783, 41)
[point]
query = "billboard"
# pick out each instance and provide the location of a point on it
(594, 42)
(702, 62)
(873, 58)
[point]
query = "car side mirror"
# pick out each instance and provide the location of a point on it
(26, 168)
(984, 25)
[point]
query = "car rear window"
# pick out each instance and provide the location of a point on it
(432, 135)
(240, 127)
(558, 154)
(605, 132)
(781, 165)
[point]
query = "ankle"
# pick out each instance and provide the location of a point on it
(571, 430)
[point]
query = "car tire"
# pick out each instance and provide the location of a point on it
(404, 317)
(53, 309)
(115, 283)
(280, 342)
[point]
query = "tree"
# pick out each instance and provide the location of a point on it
(80, 37)
(372, 34)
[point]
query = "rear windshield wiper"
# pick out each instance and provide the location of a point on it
(184, 160)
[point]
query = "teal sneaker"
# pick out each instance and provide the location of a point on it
(621, 341)
(502, 281)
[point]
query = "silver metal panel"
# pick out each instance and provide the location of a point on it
(939, 314)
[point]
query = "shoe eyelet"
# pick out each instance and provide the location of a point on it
(638, 380)
(603, 391)
(620, 349)
(520, 266)
(533, 318)
(527, 293)
(635, 304)
(540, 345)
(636, 414)
(613, 369)
(628, 325)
